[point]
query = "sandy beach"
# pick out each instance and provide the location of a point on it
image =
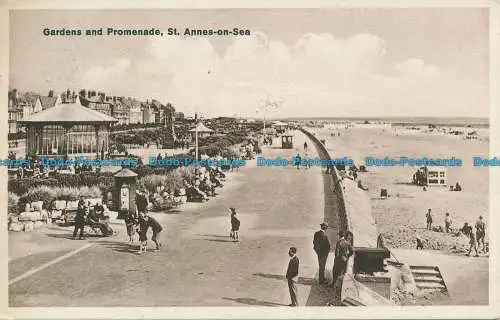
(401, 217)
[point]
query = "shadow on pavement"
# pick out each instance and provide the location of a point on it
(212, 235)
(319, 295)
(116, 246)
(69, 236)
(255, 302)
(219, 240)
(302, 280)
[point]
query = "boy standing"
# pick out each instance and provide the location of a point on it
(235, 225)
(143, 229)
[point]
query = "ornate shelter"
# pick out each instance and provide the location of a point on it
(67, 128)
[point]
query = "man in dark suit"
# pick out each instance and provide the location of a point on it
(80, 218)
(141, 202)
(321, 246)
(343, 250)
(292, 275)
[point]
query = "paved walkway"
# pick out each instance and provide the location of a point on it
(199, 265)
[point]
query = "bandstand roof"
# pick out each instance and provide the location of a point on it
(70, 113)
(125, 173)
(201, 128)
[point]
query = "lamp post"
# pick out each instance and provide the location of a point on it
(268, 105)
(196, 131)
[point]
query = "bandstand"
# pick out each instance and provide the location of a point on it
(67, 129)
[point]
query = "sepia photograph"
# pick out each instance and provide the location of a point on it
(270, 158)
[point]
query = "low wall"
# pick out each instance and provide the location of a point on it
(354, 214)
(359, 215)
(353, 204)
(335, 180)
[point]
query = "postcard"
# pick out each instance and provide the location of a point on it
(250, 160)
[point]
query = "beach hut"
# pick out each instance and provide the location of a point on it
(436, 176)
(286, 142)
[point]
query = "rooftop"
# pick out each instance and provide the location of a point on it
(69, 112)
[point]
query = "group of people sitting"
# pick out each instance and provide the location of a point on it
(92, 216)
(205, 182)
(268, 140)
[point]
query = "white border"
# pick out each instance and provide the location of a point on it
(445, 312)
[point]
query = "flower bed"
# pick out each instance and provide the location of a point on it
(102, 180)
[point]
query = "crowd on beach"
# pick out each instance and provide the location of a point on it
(476, 239)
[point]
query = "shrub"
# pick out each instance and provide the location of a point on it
(174, 181)
(42, 193)
(49, 194)
(187, 173)
(13, 200)
(102, 180)
(151, 182)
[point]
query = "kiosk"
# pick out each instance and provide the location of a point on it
(286, 142)
(124, 195)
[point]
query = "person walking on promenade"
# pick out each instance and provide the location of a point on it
(157, 228)
(235, 225)
(321, 246)
(343, 250)
(428, 216)
(292, 276)
(297, 161)
(305, 147)
(141, 202)
(480, 233)
(80, 219)
(447, 223)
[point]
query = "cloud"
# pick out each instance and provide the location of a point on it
(417, 68)
(103, 76)
(319, 75)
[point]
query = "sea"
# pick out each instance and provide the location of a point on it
(403, 121)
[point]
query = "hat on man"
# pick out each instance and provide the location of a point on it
(324, 225)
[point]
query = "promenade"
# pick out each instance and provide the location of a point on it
(278, 207)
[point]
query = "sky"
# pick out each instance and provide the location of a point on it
(309, 62)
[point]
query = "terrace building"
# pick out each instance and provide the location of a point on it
(148, 113)
(97, 102)
(134, 110)
(120, 111)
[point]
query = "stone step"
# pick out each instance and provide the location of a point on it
(420, 273)
(351, 302)
(428, 280)
(430, 285)
(423, 268)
